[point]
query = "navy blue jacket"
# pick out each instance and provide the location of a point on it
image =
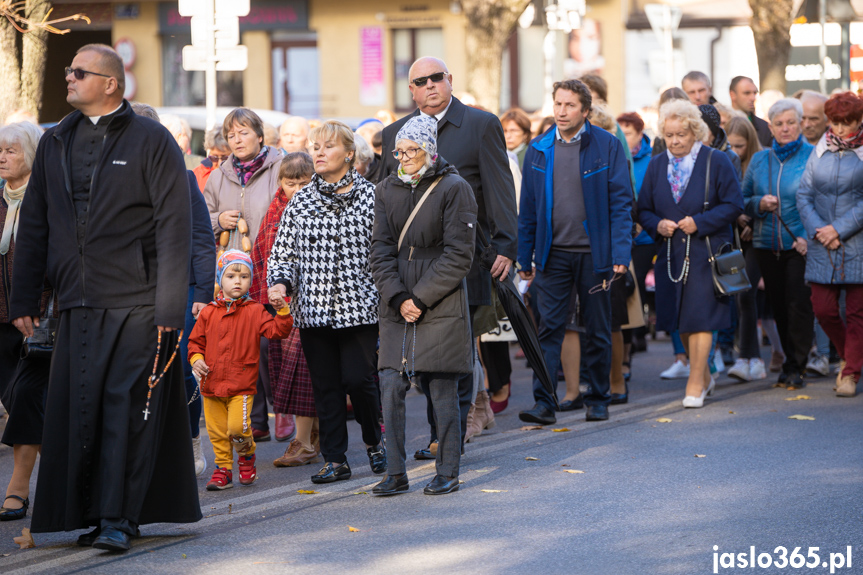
(607, 191)
(202, 265)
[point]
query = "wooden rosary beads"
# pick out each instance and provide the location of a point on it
(154, 379)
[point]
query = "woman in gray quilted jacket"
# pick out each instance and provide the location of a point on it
(830, 202)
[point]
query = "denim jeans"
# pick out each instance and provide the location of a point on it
(191, 384)
(554, 286)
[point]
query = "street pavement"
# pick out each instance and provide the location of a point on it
(629, 496)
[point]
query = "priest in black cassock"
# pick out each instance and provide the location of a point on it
(108, 220)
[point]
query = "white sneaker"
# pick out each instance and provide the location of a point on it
(718, 364)
(756, 369)
(678, 370)
(740, 370)
(819, 364)
(200, 460)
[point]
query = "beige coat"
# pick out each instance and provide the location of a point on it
(223, 192)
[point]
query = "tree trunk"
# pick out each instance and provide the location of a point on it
(10, 68)
(33, 59)
(771, 27)
(490, 23)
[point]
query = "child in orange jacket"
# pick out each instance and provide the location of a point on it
(224, 350)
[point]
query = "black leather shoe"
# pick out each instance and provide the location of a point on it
(332, 472)
(112, 539)
(378, 458)
(596, 413)
(423, 454)
(572, 404)
(618, 398)
(795, 381)
(539, 414)
(86, 540)
(391, 485)
(441, 485)
(783, 377)
(13, 514)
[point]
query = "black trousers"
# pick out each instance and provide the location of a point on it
(343, 361)
(792, 307)
(495, 360)
(10, 353)
(747, 307)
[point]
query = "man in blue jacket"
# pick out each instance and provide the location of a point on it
(574, 231)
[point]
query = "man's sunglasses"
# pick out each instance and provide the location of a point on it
(81, 74)
(422, 80)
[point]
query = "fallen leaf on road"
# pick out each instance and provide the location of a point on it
(184, 555)
(531, 459)
(560, 429)
(802, 417)
(731, 412)
(361, 493)
(798, 398)
(5, 555)
(306, 492)
(531, 427)
(460, 482)
(493, 490)
(663, 420)
(779, 385)
(26, 540)
(572, 471)
(353, 529)
(699, 455)
(230, 506)
(483, 470)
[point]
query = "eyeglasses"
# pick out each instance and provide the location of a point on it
(217, 159)
(81, 74)
(410, 153)
(422, 80)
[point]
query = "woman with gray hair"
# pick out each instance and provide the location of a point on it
(688, 194)
(778, 235)
(23, 382)
(422, 249)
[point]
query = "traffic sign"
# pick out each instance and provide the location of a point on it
(227, 59)
(226, 31)
(223, 7)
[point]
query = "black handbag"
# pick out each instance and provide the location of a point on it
(40, 345)
(727, 265)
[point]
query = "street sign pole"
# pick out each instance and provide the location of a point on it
(210, 78)
(664, 19)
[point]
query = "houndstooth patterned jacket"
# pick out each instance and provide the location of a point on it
(321, 254)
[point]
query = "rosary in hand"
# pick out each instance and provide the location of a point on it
(606, 284)
(154, 379)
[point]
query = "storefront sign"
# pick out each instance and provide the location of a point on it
(372, 89)
(263, 15)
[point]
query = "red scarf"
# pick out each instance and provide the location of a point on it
(263, 244)
(245, 170)
(837, 144)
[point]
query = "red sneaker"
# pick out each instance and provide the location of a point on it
(248, 471)
(221, 480)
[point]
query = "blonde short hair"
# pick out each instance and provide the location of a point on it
(601, 116)
(689, 116)
(335, 130)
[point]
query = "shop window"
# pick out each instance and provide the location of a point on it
(296, 86)
(409, 44)
(183, 88)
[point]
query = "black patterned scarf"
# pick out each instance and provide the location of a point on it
(331, 189)
(837, 144)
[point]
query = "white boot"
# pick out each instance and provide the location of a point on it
(200, 460)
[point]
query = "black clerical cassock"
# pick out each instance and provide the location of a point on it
(107, 218)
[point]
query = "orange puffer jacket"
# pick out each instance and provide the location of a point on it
(230, 343)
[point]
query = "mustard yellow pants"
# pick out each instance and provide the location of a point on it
(229, 426)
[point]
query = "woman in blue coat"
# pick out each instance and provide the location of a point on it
(770, 199)
(671, 208)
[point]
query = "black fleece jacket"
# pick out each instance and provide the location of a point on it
(136, 247)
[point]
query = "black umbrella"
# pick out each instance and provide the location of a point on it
(521, 322)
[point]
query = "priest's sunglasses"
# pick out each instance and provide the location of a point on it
(423, 80)
(81, 74)
(410, 153)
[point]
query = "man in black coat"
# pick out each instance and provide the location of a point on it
(108, 220)
(472, 141)
(743, 93)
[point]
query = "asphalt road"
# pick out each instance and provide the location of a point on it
(653, 498)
